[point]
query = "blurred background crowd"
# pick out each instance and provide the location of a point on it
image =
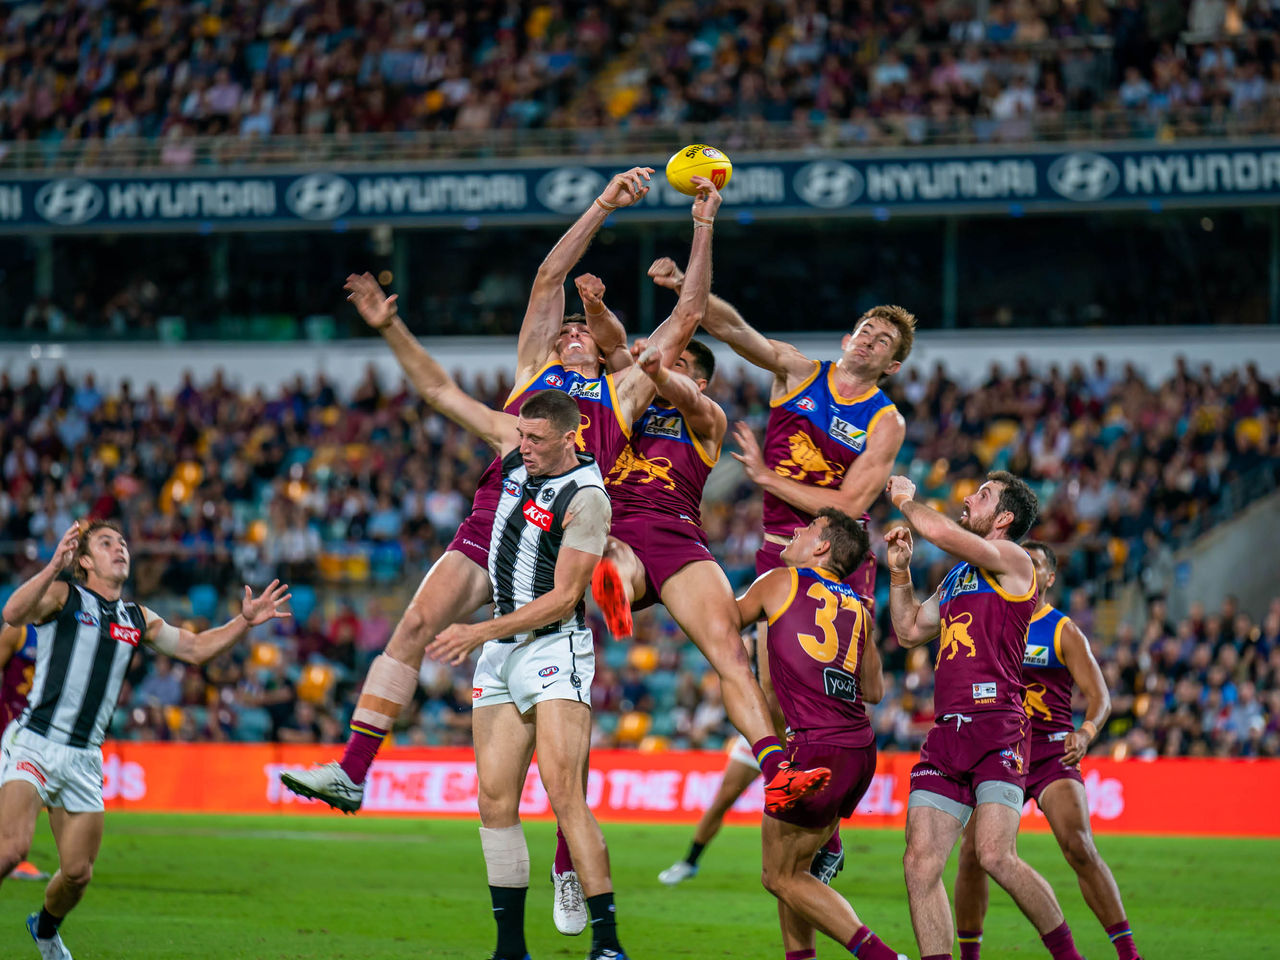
(349, 496)
(855, 71)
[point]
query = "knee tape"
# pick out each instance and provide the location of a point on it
(506, 856)
(388, 687)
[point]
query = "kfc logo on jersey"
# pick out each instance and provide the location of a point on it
(510, 487)
(1037, 656)
(88, 619)
(588, 389)
(129, 635)
(806, 404)
(663, 427)
(537, 516)
(554, 380)
(847, 434)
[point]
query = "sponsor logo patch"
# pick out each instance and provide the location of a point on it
(839, 684)
(966, 584)
(1011, 759)
(548, 671)
(29, 767)
(588, 389)
(806, 404)
(129, 635)
(663, 427)
(554, 380)
(537, 516)
(88, 619)
(475, 692)
(847, 433)
(984, 691)
(510, 487)
(1036, 656)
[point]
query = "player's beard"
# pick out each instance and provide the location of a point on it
(979, 527)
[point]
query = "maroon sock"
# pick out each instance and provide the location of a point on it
(1122, 939)
(970, 943)
(1059, 943)
(769, 753)
(835, 844)
(362, 747)
(865, 945)
(937, 956)
(809, 954)
(564, 861)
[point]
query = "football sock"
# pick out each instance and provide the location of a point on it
(695, 851)
(970, 943)
(362, 747)
(1122, 939)
(604, 923)
(835, 844)
(937, 956)
(389, 685)
(508, 913)
(807, 954)
(47, 925)
(769, 754)
(1060, 944)
(564, 861)
(865, 945)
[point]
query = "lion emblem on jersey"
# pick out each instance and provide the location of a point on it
(580, 439)
(659, 468)
(1034, 703)
(807, 462)
(955, 634)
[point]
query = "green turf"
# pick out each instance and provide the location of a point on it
(277, 887)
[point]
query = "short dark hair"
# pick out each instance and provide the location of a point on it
(848, 539)
(574, 318)
(82, 548)
(1050, 557)
(704, 361)
(554, 406)
(1018, 499)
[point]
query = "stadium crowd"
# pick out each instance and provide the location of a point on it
(171, 72)
(348, 497)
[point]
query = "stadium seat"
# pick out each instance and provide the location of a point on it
(616, 655)
(303, 602)
(253, 725)
(204, 601)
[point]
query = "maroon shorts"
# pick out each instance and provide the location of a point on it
(472, 538)
(960, 754)
(664, 545)
(1047, 765)
(862, 580)
(852, 769)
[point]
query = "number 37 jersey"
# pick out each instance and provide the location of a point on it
(816, 642)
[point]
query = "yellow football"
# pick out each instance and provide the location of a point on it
(698, 160)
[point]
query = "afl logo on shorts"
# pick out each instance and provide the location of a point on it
(806, 403)
(88, 619)
(552, 380)
(129, 635)
(548, 672)
(511, 488)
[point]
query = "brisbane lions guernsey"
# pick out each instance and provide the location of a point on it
(1048, 681)
(603, 433)
(816, 642)
(19, 673)
(662, 469)
(813, 436)
(984, 635)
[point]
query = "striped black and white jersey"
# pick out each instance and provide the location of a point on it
(528, 528)
(81, 658)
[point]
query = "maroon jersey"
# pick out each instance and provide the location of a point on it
(603, 433)
(984, 635)
(816, 643)
(1048, 681)
(813, 436)
(662, 470)
(18, 674)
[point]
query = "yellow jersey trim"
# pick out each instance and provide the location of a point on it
(532, 380)
(1057, 639)
(817, 368)
(1008, 596)
(693, 437)
(1042, 613)
(831, 384)
(876, 417)
(826, 574)
(617, 407)
(795, 585)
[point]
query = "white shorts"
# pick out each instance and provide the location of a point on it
(740, 752)
(65, 777)
(559, 666)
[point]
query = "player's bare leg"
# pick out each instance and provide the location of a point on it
(453, 589)
(973, 895)
(504, 746)
(799, 939)
(564, 743)
(568, 904)
(787, 853)
(931, 833)
(78, 837)
(1066, 807)
(701, 601)
(19, 809)
(737, 778)
(617, 583)
(995, 836)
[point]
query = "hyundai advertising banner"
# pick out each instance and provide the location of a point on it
(922, 182)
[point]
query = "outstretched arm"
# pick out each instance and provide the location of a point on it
(1006, 559)
(914, 623)
(202, 647)
(545, 312)
(37, 600)
(1078, 656)
(703, 415)
(431, 380)
(11, 640)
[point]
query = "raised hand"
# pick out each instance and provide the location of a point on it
(267, 605)
(648, 358)
(591, 290)
(627, 187)
(751, 458)
(900, 490)
(376, 309)
(665, 273)
(65, 553)
(898, 556)
(707, 200)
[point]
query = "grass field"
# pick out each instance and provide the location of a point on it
(278, 887)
